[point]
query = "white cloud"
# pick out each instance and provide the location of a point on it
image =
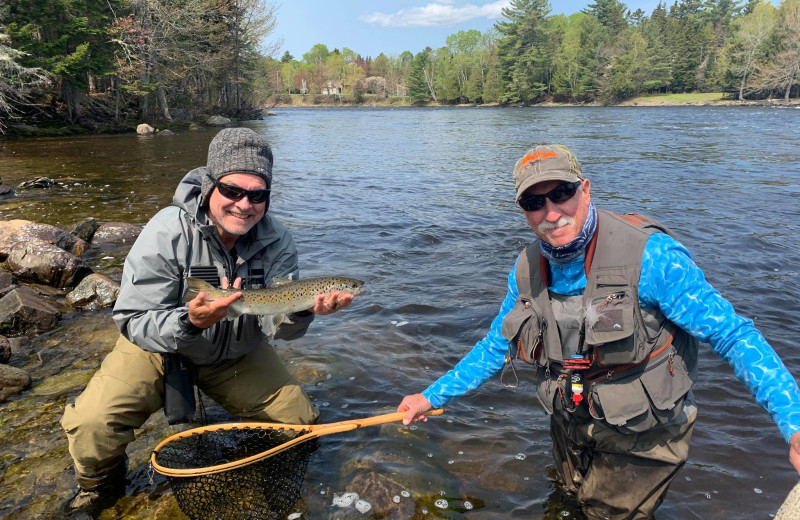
(441, 13)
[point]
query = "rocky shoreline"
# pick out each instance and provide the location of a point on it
(43, 276)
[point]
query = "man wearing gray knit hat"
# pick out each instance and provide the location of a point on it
(217, 229)
(236, 150)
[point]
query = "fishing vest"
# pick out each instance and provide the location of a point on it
(637, 366)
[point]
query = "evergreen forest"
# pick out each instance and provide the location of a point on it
(109, 64)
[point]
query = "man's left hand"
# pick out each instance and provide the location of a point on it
(794, 451)
(331, 302)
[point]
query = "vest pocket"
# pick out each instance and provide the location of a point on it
(609, 326)
(522, 328)
(652, 398)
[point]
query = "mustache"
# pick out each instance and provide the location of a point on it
(549, 226)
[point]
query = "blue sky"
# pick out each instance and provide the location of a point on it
(393, 26)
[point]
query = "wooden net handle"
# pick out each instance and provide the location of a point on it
(316, 431)
(373, 421)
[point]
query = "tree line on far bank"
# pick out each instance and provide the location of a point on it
(118, 62)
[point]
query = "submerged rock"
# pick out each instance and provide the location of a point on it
(12, 381)
(85, 229)
(218, 121)
(119, 233)
(38, 183)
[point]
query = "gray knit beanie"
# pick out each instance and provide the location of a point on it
(236, 150)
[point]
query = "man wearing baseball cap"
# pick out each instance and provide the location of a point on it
(218, 228)
(609, 310)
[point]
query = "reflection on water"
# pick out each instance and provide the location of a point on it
(419, 204)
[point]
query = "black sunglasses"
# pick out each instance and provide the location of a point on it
(560, 193)
(235, 193)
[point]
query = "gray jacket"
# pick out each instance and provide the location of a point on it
(180, 241)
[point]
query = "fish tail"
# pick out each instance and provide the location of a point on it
(194, 287)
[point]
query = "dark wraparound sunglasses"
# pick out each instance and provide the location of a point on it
(560, 193)
(235, 193)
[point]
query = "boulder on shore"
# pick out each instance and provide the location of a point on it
(22, 309)
(790, 510)
(47, 264)
(14, 232)
(96, 291)
(5, 349)
(144, 129)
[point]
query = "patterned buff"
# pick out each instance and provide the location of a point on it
(559, 255)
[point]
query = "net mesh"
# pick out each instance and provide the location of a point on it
(265, 489)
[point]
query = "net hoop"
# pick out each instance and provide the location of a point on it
(210, 470)
(313, 431)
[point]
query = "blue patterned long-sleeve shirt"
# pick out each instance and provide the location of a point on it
(671, 282)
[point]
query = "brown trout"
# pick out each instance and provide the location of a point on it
(282, 297)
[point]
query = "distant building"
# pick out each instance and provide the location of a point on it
(374, 85)
(332, 87)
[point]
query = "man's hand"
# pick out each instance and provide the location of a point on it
(331, 302)
(794, 451)
(415, 405)
(204, 313)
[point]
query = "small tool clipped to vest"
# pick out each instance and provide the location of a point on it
(575, 367)
(509, 364)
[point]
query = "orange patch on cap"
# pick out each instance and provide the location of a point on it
(538, 156)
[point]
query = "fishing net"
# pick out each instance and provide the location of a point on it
(218, 481)
(245, 470)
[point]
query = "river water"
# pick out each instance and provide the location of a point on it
(419, 204)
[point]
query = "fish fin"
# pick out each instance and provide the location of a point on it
(233, 313)
(276, 281)
(194, 287)
(278, 319)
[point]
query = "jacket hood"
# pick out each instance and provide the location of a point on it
(187, 198)
(187, 194)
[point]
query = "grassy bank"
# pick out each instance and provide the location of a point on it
(702, 98)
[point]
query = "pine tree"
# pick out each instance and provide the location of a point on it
(417, 86)
(66, 38)
(523, 59)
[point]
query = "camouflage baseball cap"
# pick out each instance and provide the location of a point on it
(547, 162)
